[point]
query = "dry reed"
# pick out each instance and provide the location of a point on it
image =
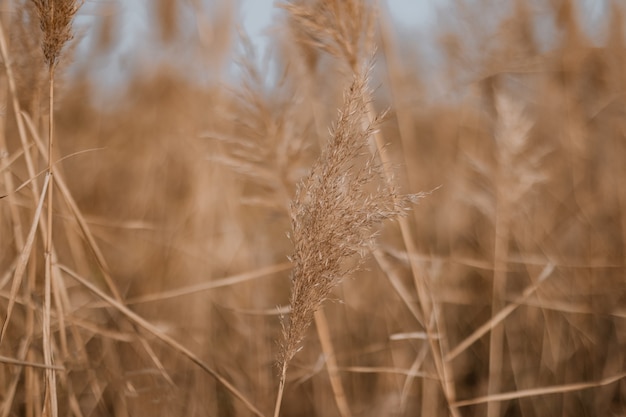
(55, 18)
(334, 216)
(503, 293)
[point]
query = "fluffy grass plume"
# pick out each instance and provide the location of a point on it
(335, 213)
(55, 20)
(334, 216)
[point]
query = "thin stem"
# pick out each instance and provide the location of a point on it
(51, 400)
(281, 388)
(49, 170)
(154, 330)
(496, 341)
(323, 332)
(32, 173)
(442, 368)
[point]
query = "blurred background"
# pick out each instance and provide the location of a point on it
(183, 127)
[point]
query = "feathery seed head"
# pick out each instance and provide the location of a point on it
(55, 20)
(335, 212)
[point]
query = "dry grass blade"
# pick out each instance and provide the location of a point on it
(412, 375)
(16, 109)
(17, 376)
(323, 332)
(104, 269)
(69, 200)
(500, 316)
(8, 161)
(511, 134)
(558, 389)
(218, 283)
(20, 267)
(24, 184)
(143, 323)
(50, 407)
(397, 284)
(386, 370)
(426, 301)
(11, 361)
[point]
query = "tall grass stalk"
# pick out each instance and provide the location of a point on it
(334, 215)
(511, 134)
(55, 18)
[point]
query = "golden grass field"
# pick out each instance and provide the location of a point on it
(370, 226)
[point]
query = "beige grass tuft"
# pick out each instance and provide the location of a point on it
(55, 17)
(334, 216)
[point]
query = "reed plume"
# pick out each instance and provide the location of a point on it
(55, 21)
(334, 216)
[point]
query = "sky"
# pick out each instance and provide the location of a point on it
(415, 15)
(409, 17)
(256, 16)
